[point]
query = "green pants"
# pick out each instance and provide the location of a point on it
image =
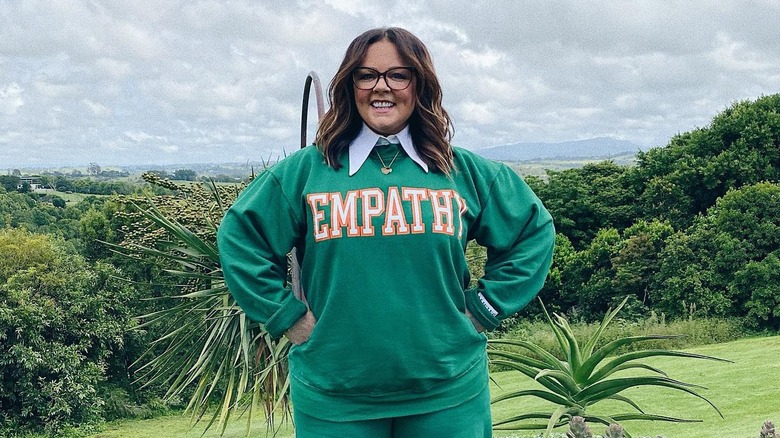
(470, 419)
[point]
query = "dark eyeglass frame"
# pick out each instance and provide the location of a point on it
(379, 75)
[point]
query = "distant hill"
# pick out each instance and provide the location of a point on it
(590, 148)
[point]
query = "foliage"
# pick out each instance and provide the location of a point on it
(90, 186)
(685, 178)
(585, 376)
(60, 320)
(185, 175)
(762, 278)
(210, 349)
(9, 182)
(585, 200)
(615, 264)
(707, 268)
(25, 211)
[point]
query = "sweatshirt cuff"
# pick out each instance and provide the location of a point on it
(481, 309)
(284, 318)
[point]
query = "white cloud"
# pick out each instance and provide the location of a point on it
(483, 59)
(11, 99)
(96, 108)
(736, 55)
(142, 137)
(122, 82)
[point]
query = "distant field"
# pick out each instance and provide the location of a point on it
(538, 168)
(744, 391)
(70, 198)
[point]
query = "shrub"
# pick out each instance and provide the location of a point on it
(59, 322)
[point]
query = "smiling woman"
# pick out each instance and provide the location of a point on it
(389, 340)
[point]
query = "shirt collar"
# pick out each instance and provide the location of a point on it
(363, 144)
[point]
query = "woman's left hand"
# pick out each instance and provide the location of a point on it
(301, 330)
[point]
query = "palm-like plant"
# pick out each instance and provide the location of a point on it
(209, 351)
(585, 376)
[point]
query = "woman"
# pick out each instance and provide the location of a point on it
(390, 342)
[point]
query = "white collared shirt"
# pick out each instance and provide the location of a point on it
(364, 143)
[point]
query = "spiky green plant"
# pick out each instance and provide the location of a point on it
(585, 376)
(209, 351)
(578, 428)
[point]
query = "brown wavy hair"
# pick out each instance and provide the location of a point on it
(429, 125)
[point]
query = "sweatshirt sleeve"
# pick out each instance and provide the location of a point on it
(254, 238)
(519, 235)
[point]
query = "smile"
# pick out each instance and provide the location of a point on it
(382, 104)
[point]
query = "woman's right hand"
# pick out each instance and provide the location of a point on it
(301, 330)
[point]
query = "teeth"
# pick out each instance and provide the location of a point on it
(382, 104)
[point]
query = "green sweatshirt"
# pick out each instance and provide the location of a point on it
(385, 275)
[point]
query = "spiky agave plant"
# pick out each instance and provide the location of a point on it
(585, 376)
(209, 350)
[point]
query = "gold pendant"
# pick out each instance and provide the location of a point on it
(386, 170)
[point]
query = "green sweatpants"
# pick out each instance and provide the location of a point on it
(470, 419)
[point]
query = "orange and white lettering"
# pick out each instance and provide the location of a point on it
(343, 213)
(415, 196)
(373, 205)
(395, 220)
(441, 204)
(321, 231)
(462, 209)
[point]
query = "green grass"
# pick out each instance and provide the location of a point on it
(179, 426)
(70, 198)
(745, 391)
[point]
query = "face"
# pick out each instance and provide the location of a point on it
(384, 110)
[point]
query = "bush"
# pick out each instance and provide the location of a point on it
(60, 320)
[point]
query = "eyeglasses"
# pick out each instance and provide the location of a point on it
(397, 78)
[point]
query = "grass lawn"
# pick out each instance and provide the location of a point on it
(179, 426)
(70, 198)
(745, 391)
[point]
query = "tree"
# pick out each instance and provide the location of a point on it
(93, 169)
(583, 201)
(685, 178)
(60, 321)
(639, 258)
(58, 202)
(762, 279)
(185, 175)
(95, 231)
(9, 182)
(698, 266)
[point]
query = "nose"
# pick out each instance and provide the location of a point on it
(381, 83)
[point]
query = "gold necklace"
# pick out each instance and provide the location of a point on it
(387, 168)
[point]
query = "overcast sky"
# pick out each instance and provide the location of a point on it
(191, 81)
